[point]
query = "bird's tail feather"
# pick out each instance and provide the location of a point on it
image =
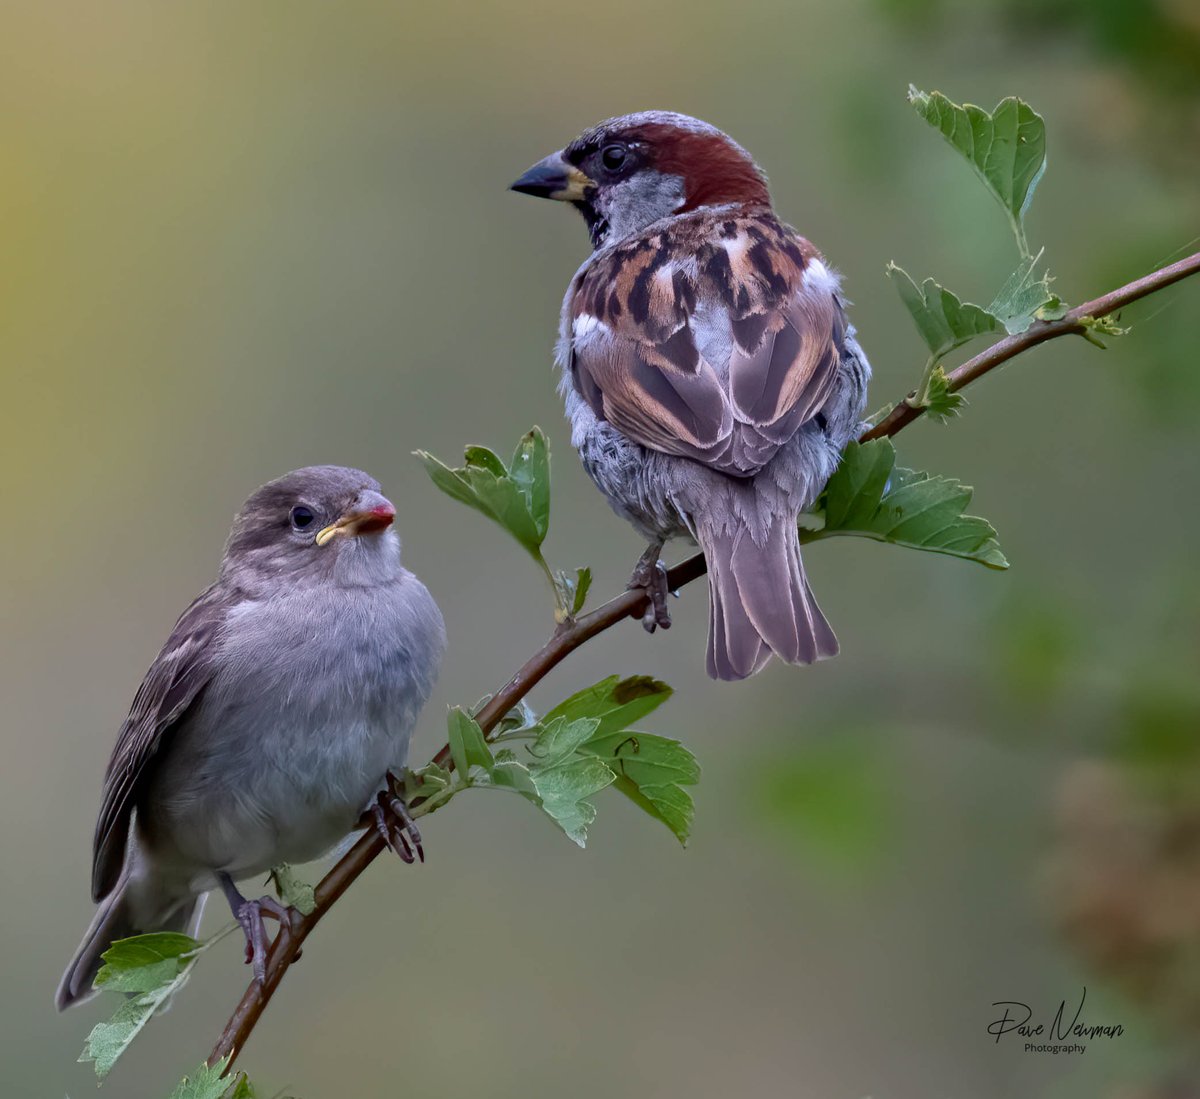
(760, 602)
(116, 919)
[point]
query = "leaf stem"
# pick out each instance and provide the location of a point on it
(919, 398)
(215, 938)
(1019, 232)
(559, 609)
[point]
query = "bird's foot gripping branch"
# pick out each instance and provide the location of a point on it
(559, 762)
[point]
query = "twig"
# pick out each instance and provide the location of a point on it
(630, 604)
(999, 353)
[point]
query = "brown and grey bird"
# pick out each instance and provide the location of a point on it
(710, 374)
(270, 721)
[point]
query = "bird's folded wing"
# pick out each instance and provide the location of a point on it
(174, 681)
(717, 349)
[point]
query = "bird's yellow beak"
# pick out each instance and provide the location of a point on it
(554, 178)
(354, 523)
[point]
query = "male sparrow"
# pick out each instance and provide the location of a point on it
(271, 718)
(710, 374)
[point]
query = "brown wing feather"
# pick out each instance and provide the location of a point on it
(179, 673)
(652, 401)
(784, 380)
(641, 316)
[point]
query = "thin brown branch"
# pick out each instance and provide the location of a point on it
(999, 353)
(631, 604)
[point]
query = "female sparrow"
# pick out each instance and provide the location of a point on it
(710, 374)
(271, 718)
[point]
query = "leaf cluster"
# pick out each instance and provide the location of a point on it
(149, 970)
(1006, 148)
(211, 1082)
(579, 748)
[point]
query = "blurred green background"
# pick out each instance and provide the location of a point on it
(241, 238)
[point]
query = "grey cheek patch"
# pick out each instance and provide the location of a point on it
(640, 201)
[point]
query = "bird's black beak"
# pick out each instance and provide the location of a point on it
(554, 178)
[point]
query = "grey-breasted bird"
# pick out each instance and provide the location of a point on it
(271, 719)
(710, 374)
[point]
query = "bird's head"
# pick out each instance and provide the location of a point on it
(313, 524)
(628, 172)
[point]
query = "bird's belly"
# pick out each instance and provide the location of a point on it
(314, 700)
(626, 473)
(250, 783)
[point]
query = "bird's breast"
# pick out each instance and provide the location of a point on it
(314, 700)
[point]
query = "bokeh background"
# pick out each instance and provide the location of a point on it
(240, 238)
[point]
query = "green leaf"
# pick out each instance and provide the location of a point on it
(503, 499)
(242, 1089)
(651, 771)
(583, 584)
(572, 591)
(210, 1082)
(468, 747)
(474, 762)
(1096, 327)
(870, 497)
(940, 401)
(428, 788)
(614, 702)
(483, 458)
(150, 967)
(109, 1039)
(1026, 297)
(430, 774)
(520, 719)
(294, 890)
(511, 774)
(943, 320)
(559, 738)
(1006, 147)
(851, 498)
(580, 748)
(559, 780)
(518, 499)
(530, 470)
(453, 482)
(564, 788)
(144, 962)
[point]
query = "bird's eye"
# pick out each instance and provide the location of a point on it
(302, 517)
(613, 157)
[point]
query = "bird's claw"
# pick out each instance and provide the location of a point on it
(395, 826)
(650, 576)
(250, 916)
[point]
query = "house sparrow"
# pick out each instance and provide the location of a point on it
(710, 374)
(271, 718)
